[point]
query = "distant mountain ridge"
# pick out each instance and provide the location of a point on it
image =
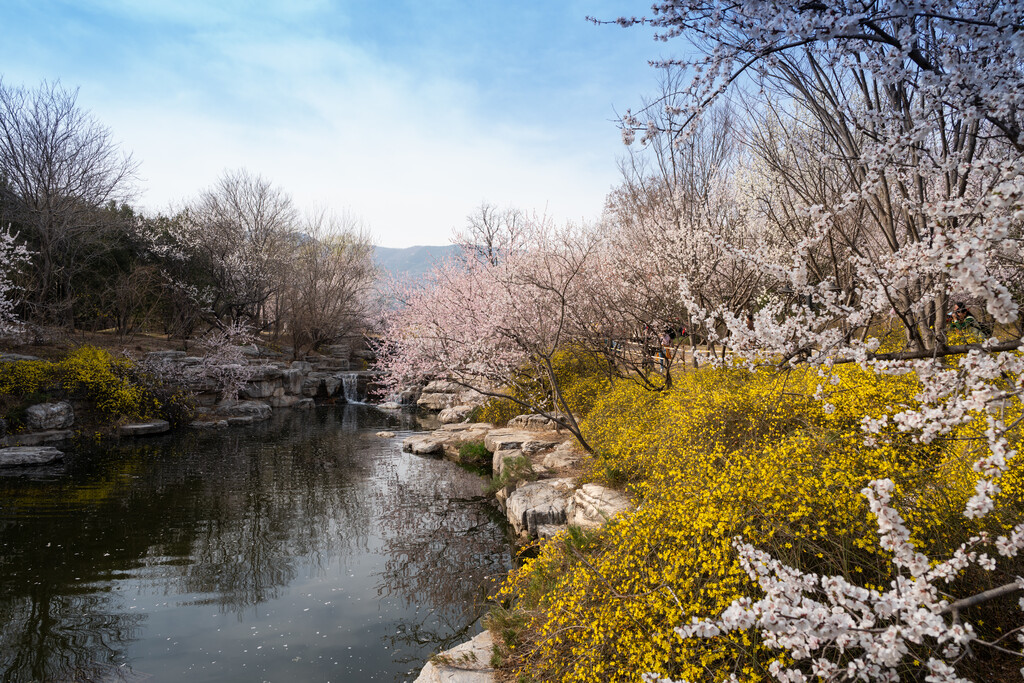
(411, 262)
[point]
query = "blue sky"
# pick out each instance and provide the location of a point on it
(405, 114)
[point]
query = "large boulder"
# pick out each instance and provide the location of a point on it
(49, 416)
(538, 503)
(435, 401)
(592, 505)
(455, 414)
(21, 456)
(469, 662)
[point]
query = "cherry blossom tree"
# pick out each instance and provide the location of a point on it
(13, 257)
(889, 158)
(490, 324)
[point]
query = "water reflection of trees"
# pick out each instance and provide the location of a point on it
(445, 545)
(224, 515)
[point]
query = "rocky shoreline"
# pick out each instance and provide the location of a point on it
(538, 467)
(273, 384)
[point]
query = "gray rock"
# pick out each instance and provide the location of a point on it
(386, 435)
(144, 428)
(165, 355)
(442, 386)
(549, 530)
(410, 396)
(423, 444)
(209, 424)
(262, 388)
(338, 350)
(532, 422)
(254, 409)
(50, 416)
(250, 350)
(16, 357)
(265, 372)
(499, 459)
(20, 456)
(293, 379)
(311, 386)
(592, 505)
(49, 437)
(469, 662)
(332, 384)
(241, 421)
(304, 404)
(302, 366)
(538, 502)
(564, 455)
(389, 405)
(283, 401)
(534, 446)
(455, 414)
(435, 401)
(506, 439)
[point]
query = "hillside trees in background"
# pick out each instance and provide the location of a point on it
(328, 294)
(59, 171)
(490, 232)
(243, 230)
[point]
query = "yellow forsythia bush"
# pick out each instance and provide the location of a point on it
(87, 371)
(725, 453)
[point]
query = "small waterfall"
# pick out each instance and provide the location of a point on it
(350, 385)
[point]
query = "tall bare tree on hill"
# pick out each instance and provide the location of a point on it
(59, 168)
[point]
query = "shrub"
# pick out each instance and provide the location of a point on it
(474, 453)
(728, 453)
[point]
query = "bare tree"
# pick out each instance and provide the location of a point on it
(58, 168)
(491, 232)
(327, 295)
(244, 230)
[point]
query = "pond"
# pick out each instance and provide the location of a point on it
(305, 548)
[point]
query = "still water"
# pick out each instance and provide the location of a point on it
(302, 549)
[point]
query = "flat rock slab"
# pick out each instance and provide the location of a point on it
(592, 505)
(447, 439)
(424, 444)
(538, 503)
(533, 422)
(209, 424)
(469, 662)
(513, 439)
(144, 428)
(23, 456)
(50, 436)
